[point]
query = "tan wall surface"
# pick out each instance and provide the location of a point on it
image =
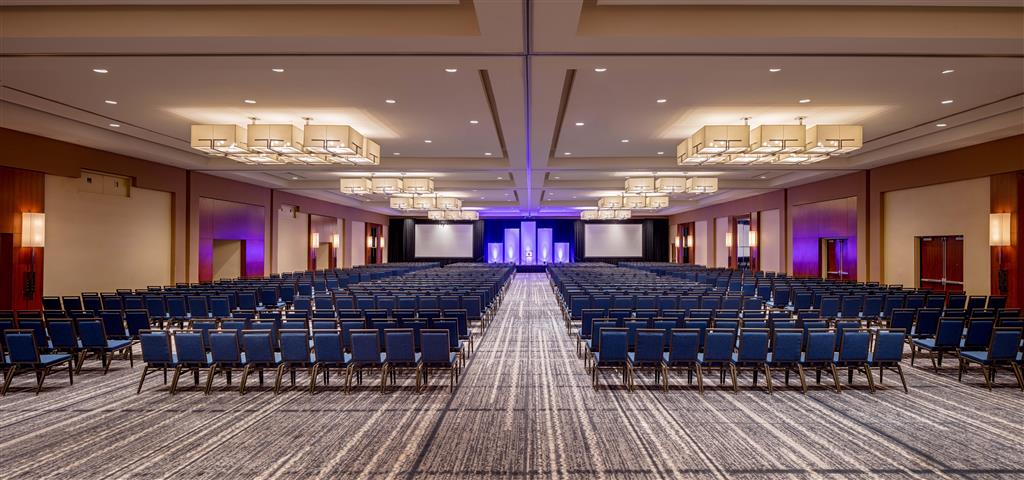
(721, 251)
(101, 242)
(227, 259)
(955, 208)
(700, 242)
(771, 242)
(357, 243)
(291, 241)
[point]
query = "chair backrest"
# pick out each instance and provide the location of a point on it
(21, 346)
(365, 346)
(927, 322)
(294, 345)
(400, 345)
(72, 303)
(719, 344)
(156, 346)
(329, 346)
(855, 345)
(113, 322)
(949, 332)
(190, 347)
(259, 346)
(820, 345)
(684, 344)
(753, 345)
(1005, 344)
(976, 301)
(435, 346)
(595, 333)
(91, 333)
(996, 302)
(325, 324)
(902, 318)
(613, 344)
(62, 334)
(649, 344)
(787, 345)
(888, 345)
(176, 306)
(224, 347)
(220, 306)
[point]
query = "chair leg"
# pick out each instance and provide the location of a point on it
(835, 378)
(664, 377)
(40, 376)
(628, 375)
(984, 372)
(960, 371)
(1020, 377)
(913, 355)
(174, 379)
(107, 360)
(732, 373)
(71, 374)
(145, 370)
(312, 378)
(384, 379)
(7, 379)
(700, 379)
(241, 382)
(871, 383)
(803, 380)
(277, 379)
(768, 378)
(899, 370)
(209, 378)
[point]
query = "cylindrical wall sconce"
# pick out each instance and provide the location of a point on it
(752, 238)
(689, 241)
(336, 240)
(677, 241)
(728, 239)
(33, 230)
(369, 241)
(999, 229)
(314, 240)
(380, 242)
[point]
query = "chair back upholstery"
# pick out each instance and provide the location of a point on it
(156, 347)
(1005, 344)
(902, 318)
(649, 344)
(62, 334)
(613, 345)
(259, 346)
(400, 345)
(595, 333)
(329, 346)
(888, 345)
(927, 322)
(684, 344)
(113, 322)
(224, 347)
(753, 345)
(294, 346)
(91, 333)
(365, 346)
(949, 332)
(979, 332)
(190, 346)
(855, 345)
(434, 343)
(820, 345)
(787, 345)
(21, 346)
(719, 344)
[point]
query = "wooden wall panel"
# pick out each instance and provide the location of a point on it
(829, 219)
(224, 220)
(326, 227)
(1006, 193)
(21, 191)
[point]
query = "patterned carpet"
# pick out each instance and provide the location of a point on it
(524, 408)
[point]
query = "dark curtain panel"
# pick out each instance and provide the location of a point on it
(578, 245)
(656, 240)
(478, 241)
(401, 234)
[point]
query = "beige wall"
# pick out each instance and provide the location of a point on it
(770, 243)
(290, 248)
(721, 251)
(955, 208)
(700, 242)
(101, 242)
(227, 259)
(357, 243)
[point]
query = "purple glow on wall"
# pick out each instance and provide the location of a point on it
(562, 252)
(494, 252)
(512, 245)
(223, 220)
(544, 236)
(528, 242)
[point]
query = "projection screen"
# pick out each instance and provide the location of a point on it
(613, 240)
(444, 240)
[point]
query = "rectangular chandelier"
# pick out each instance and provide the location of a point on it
(334, 140)
(401, 203)
(640, 185)
(776, 139)
(768, 144)
(702, 185)
(834, 139)
(281, 139)
(418, 185)
(670, 185)
(447, 203)
(219, 139)
(279, 144)
(356, 186)
(610, 202)
(386, 186)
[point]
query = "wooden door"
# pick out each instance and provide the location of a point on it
(941, 262)
(835, 254)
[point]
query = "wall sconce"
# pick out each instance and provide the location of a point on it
(369, 241)
(999, 236)
(677, 241)
(314, 240)
(752, 238)
(335, 240)
(689, 241)
(380, 242)
(728, 239)
(33, 230)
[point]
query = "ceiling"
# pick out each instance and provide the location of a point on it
(502, 128)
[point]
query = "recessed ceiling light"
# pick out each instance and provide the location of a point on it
(624, 140)
(277, 70)
(487, 153)
(481, 198)
(390, 100)
(556, 178)
(100, 70)
(295, 178)
(947, 102)
(567, 153)
(661, 153)
(249, 101)
(474, 122)
(574, 196)
(428, 141)
(948, 71)
(110, 102)
(762, 177)
(600, 69)
(661, 100)
(805, 100)
(775, 70)
(396, 153)
(451, 70)
(115, 125)
(580, 124)
(940, 125)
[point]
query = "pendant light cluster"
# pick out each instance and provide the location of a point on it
(606, 214)
(410, 194)
(280, 144)
(768, 144)
(647, 193)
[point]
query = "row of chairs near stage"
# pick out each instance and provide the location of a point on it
(227, 350)
(858, 350)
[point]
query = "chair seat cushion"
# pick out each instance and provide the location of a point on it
(606, 363)
(117, 344)
(413, 362)
(979, 356)
(47, 360)
(927, 343)
(631, 356)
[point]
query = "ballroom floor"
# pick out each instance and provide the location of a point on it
(524, 408)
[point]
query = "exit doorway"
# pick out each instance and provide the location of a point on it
(835, 259)
(942, 263)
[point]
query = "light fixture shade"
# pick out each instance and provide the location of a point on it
(356, 186)
(749, 159)
(655, 202)
(386, 185)
(610, 202)
(728, 239)
(776, 139)
(622, 214)
(435, 215)
(702, 185)
(720, 139)
(588, 215)
(423, 203)
(329, 139)
(634, 201)
(752, 238)
(33, 230)
(448, 203)
(689, 241)
(284, 139)
(418, 185)
(670, 185)
(314, 239)
(369, 153)
(380, 241)
(369, 241)
(401, 203)
(799, 158)
(335, 240)
(468, 215)
(999, 229)
(834, 139)
(219, 139)
(640, 185)
(677, 242)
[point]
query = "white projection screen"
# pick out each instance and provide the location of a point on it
(613, 239)
(453, 240)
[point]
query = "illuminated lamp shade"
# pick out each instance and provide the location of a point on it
(608, 214)
(640, 185)
(834, 139)
(677, 242)
(689, 241)
(702, 185)
(654, 203)
(423, 203)
(419, 185)
(356, 186)
(999, 229)
(634, 201)
(330, 139)
(401, 203)
(776, 139)
(749, 159)
(380, 242)
(588, 215)
(370, 154)
(720, 139)
(448, 203)
(752, 238)
(670, 185)
(369, 241)
(728, 239)
(219, 139)
(33, 230)
(610, 202)
(800, 158)
(283, 139)
(471, 215)
(622, 214)
(335, 240)
(314, 239)
(435, 215)
(386, 185)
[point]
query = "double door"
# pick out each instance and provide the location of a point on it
(836, 267)
(942, 263)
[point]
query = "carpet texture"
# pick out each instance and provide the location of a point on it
(524, 408)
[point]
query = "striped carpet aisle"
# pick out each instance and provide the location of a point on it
(524, 408)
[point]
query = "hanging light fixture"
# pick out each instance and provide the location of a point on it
(435, 215)
(776, 139)
(219, 139)
(448, 203)
(418, 185)
(423, 203)
(386, 186)
(470, 215)
(702, 185)
(335, 142)
(280, 139)
(834, 139)
(670, 185)
(633, 201)
(640, 185)
(588, 215)
(369, 153)
(401, 203)
(610, 202)
(335, 240)
(314, 239)
(356, 186)
(655, 203)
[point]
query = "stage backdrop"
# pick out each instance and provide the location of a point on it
(528, 241)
